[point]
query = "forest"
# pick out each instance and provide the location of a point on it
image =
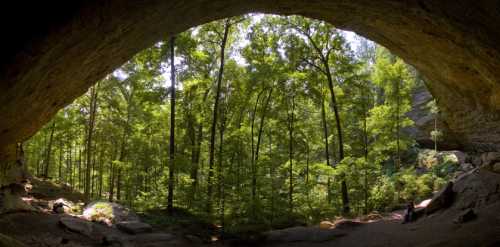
(258, 120)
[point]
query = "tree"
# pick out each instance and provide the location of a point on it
(436, 134)
(170, 199)
(223, 42)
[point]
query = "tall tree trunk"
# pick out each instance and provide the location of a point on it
(61, 150)
(220, 171)
(112, 175)
(70, 165)
(79, 187)
(271, 176)
(259, 135)
(196, 139)
(253, 165)
(90, 131)
(101, 171)
(290, 153)
(170, 197)
(327, 151)
(214, 119)
(365, 146)
(49, 150)
(345, 196)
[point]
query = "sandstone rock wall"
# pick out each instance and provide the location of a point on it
(424, 123)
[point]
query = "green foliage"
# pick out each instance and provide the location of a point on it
(276, 72)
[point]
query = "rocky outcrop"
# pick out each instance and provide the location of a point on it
(424, 123)
(443, 199)
(56, 50)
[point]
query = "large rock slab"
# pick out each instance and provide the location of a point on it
(77, 225)
(443, 199)
(134, 227)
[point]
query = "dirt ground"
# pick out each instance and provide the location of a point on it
(438, 229)
(435, 230)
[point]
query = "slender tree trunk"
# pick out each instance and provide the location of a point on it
(49, 150)
(307, 170)
(90, 130)
(79, 169)
(221, 171)
(253, 165)
(290, 153)
(101, 171)
(345, 196)
(271, 175)
(93, 172)
(61, 150)
(214, 119)
(111, 182)
(398, 127)
(327, 151)
(365, 145)
(259, 135)
(170, 197)
(69, 165)
(119, 184)
(435, 131)
(197, 137)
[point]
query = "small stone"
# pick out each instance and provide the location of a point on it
(77, 225)
(134, 227)
(466, 216)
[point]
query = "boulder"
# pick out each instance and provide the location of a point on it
(326, 225)
(61, 206)
(134, 227)
(77, 225)
(108, 212)
(466, 216)
(442, 199)
(428, 158)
